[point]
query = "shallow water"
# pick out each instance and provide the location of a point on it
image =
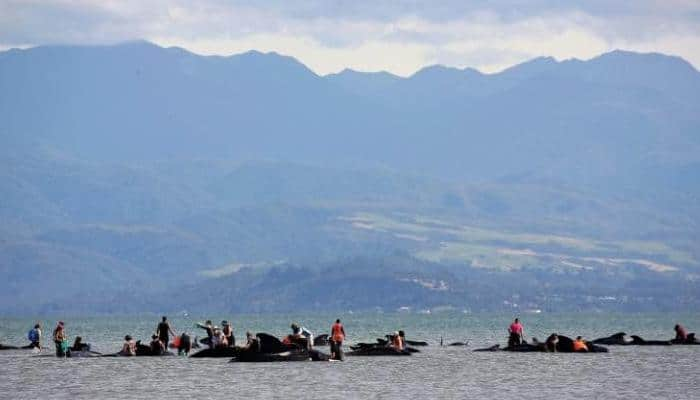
(436, 372)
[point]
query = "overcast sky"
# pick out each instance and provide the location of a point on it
(400, 36)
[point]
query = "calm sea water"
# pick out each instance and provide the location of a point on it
(437, 372)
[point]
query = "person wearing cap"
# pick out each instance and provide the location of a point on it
(129, 347)
(299, 332)
(227, 330)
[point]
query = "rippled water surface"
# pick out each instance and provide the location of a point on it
(630, 372)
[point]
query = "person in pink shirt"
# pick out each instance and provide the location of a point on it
(516, 333)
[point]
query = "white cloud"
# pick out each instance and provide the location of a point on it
(400, 37)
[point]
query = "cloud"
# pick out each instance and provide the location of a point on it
(400, 36)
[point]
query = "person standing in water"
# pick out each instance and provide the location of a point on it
(227, 329)
(185, 344)
(516, 333)
(337, 338)
(163, 331)
(60, 339)
(34, 337)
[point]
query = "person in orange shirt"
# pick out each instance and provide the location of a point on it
(337, 338)
(580, 345)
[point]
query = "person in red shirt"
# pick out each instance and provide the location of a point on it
(516, 333)
(337, 338)
(681, 334)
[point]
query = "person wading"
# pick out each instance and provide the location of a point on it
(163, 331)
(337, 338)
(516, 333)
(60, 338)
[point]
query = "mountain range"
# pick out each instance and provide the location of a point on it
(133, 174)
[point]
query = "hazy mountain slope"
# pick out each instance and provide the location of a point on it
(123, 165)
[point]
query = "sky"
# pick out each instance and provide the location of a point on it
(399, 36)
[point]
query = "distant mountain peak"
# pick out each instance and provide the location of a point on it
(445, 71)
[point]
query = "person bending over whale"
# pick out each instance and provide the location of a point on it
(301, 334)
(34, 336)
(397, 341)
(580, 345)
(156, 345)
(78, 345)
(129, 347)
(681, 333)
(550, 345)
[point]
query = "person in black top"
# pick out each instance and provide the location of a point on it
(185, 345)
(163, 331)
(78, 345)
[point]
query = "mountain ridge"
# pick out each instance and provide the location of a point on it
(131, 163)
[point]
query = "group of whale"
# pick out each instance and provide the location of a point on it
(268, 348)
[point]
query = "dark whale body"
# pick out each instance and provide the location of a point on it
(321, 340)
(638, 341)
(565, 345)
(407, 342)
(271, 349)
(220, 352)
(617, 339)
(378, 349)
